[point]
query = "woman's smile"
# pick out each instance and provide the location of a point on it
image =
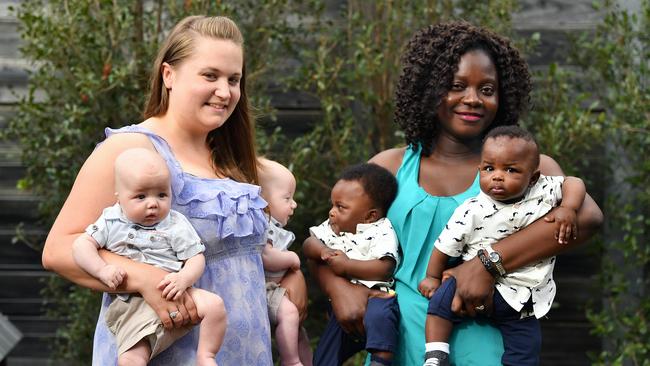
(469, 116)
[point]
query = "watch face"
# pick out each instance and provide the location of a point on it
(495, 257)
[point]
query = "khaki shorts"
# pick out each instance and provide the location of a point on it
(274, 295)
(134, 320)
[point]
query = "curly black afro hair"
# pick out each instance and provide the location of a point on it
(515, 132)
(378, 183)
(429, 64)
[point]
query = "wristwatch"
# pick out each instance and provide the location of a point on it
(487, 263)
(495, 258)
(492, 262)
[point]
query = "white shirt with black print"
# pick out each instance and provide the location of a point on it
(375, 240)
(481, 221)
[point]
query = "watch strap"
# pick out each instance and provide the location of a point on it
(487, 263)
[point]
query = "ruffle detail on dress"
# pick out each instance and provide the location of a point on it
(235, 208)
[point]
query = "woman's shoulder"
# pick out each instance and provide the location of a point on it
(390, 159)
(548, 166)
(115, 143)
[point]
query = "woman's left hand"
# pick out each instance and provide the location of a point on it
(474, 288)
(294, 282)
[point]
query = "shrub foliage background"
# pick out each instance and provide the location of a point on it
(92, 61)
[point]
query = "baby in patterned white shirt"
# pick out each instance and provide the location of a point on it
(143, 227)
(358, 242)
(513, 195)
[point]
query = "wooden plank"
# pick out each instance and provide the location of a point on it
(9, 37)
(19, 284)
(567, 344)
(16, 255)
(23, 306)
(572, 298)
(294, 122)
(555, 14)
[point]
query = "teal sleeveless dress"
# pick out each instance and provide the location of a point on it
(418, 218)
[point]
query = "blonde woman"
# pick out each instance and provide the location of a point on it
(197, 119)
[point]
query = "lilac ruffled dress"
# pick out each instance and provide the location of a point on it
(229, 219)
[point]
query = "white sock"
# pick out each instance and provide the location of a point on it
(437, 346)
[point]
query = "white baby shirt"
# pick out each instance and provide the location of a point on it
(481, 221)
(164, 245)
(371, 241)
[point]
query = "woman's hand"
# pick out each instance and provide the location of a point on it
(474, 288)
(173, 314)
(294, 282)
(349, 305)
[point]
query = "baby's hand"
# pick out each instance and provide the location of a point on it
(337, 263)
(428, 286)
(326, 254)
(173, 286)
(112, 275)
(566, 224)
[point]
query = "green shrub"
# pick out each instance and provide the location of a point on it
(615, 58)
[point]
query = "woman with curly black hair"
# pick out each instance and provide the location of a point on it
(458, 82)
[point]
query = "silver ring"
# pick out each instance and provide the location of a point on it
(173, 314)
(477, 308)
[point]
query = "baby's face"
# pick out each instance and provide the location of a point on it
(145, 198)
(507, 167)
(280, 198)
(350, 206)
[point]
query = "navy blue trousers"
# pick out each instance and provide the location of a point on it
(522, 338)
(380, 321)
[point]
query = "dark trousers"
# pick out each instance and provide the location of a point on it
(522, 338)
(380, 322)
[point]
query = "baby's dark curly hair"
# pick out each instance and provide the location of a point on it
(429, 64)
(515, 132)
(378, 183)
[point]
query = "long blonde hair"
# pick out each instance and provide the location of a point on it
(233, 144)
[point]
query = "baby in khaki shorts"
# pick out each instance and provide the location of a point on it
(278, 187)
(142, 226)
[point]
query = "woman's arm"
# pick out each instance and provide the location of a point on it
(349, 300)
(390, 159)
(93, 190)
(537, 241)
(474, 285)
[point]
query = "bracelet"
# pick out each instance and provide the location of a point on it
(483, 256)
(434, 277)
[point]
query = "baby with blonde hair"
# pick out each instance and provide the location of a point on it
(278, 188)
(142, 226)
